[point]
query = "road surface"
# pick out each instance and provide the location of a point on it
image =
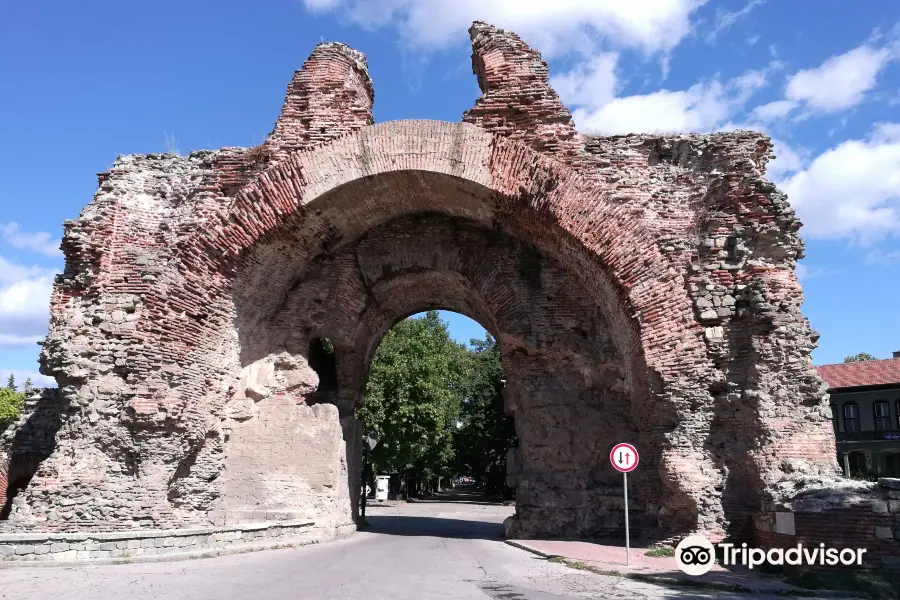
(423, 551)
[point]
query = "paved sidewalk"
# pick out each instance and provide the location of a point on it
(612, 559)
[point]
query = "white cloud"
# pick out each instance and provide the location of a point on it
(880, 257)
(786, 161)
(726, 19)
(40, 241)
(704, 107)
(12, 272)
(850, 191)
(24, 304)
(841, 81)
(552, 27)
(774, 110)
(318, 5)
(747, 84)
(886, 132)
(21, 375)
(590, 83)
(701, 108)
(805, 273)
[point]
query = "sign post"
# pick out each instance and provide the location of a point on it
(624, 458)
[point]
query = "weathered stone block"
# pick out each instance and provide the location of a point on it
(66, 555)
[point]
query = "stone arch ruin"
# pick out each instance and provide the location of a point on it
(642, 288)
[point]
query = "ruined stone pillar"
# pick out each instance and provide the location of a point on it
(145, 354)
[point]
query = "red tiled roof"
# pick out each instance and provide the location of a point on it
(869, 372)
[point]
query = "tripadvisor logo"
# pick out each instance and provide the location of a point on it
(695, 555)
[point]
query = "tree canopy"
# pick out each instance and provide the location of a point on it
(485, 434)
(861, 357)
(413, 396)
(11, 402)
(436, 406)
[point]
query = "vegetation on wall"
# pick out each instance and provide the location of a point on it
(11, 401)
(861, 357)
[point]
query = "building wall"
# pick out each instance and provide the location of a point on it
(865, 400)
(866, 453)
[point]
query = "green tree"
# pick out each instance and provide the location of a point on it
(412, 399)
(485, 433)
(11, 382)
(11, 403)
(861, 357)
(27, 387)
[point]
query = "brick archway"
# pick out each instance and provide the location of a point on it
(303, 213)
(175, 322)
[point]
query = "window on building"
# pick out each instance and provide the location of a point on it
(897, 411)
(851, 416)
(882, 415)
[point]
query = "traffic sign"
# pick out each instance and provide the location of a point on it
(624, 457)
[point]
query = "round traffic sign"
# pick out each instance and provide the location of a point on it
(624, 457)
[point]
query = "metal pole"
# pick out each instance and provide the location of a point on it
(627, 540)
(364, 461)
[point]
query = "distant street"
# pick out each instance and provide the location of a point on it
(447, 549)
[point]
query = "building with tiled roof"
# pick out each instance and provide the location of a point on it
(865, 406)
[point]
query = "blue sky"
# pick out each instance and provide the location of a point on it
(84, 83)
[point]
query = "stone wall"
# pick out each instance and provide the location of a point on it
(642, 289)
(844, 515)
(138, 545)
(27, 442)
(285, 462)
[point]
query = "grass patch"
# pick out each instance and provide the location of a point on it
(580, 566)
(660, 551)
(872, 585)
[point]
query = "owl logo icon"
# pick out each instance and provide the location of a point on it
(695, 555)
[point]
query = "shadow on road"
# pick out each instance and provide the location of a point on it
(459, 496)
(441, 526)
(435, 527)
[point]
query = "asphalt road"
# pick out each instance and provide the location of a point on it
(415, 552)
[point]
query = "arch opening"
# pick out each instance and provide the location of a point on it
(569, 389)
(416, 215)
(433, 401)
